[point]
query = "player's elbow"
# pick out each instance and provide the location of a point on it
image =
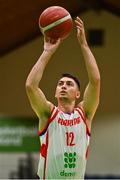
(96, 81)
(29, 86)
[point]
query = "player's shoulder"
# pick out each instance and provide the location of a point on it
(81, 107)
(81, 111)
(53, 108)
(51, 105)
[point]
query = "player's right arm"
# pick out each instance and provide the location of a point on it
(38, 101)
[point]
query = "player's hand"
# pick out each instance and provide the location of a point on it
(80, 31)
(51, 45)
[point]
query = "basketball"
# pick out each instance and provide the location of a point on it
(55, 22)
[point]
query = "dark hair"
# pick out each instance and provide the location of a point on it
(72, 77)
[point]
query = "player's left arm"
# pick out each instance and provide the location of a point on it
(92, 92)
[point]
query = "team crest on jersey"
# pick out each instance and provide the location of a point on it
(68, 122)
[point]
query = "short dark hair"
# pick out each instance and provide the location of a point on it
(72, 77)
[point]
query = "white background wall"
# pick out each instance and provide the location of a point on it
(104, 151)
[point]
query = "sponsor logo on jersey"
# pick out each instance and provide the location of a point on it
(68, 122)
(69, 160)
(67, 174)
(69, 163)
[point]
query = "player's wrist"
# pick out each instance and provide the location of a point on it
(83, 44)
(48, 51)
(82, 41)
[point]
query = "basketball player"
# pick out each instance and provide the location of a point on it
(64, 129)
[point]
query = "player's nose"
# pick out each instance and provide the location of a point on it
(64, 86)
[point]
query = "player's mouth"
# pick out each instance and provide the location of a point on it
(63, 92)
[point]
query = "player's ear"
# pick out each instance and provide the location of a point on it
(77, 94)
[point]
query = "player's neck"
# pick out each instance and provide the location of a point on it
(66, 107)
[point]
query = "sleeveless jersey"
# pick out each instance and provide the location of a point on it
(64, 146)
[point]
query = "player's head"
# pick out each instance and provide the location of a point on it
(68, 87)
(72, 77)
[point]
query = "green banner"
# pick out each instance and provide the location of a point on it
(18, 134)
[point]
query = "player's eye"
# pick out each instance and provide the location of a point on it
(69, 83)
(60, 83)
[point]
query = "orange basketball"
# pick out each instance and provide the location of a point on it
(55, 22)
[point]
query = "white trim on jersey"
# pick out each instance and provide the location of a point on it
(53, 114)
(82, 114)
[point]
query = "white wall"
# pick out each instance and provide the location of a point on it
(104, 151)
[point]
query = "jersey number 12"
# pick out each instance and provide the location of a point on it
(70, 138)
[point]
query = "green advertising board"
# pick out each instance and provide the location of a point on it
(19, 134)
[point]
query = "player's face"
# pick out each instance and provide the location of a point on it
(67, 89)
